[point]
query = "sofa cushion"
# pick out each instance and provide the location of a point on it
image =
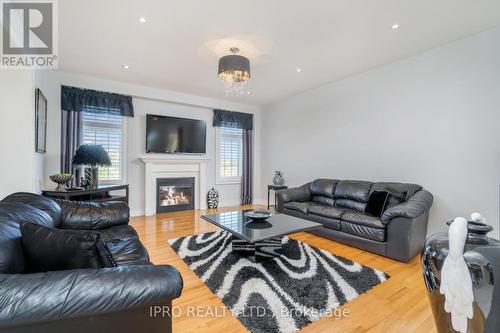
(299, 206)
(300, 193)
(395, 199)
(295, 213)
(329, 212)
(352, 204)
(394, 187)
(362, 219)
(324, 200)
(118, 232)
(19, 213)
(323, 187)
(327, 222)
(87, 215)
(356, 190)
(48, 249)
(398, 192)
(42, 203)
(363, 231)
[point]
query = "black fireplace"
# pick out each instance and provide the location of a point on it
(174, 194)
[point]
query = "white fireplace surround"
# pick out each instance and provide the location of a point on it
(174, 166)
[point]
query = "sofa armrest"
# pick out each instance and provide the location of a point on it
(405, 237)
(300, 193)
(86, 215)
(45, 297)
(416, 205)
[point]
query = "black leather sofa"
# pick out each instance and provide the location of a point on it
(116, 299)
(340, 204)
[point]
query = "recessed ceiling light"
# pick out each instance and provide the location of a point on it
(299, 70)
(248, 93)
(126, 67)
(142, 19)
(395, 26)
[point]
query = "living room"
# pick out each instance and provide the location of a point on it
(249, 166)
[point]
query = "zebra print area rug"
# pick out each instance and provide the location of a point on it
(280, 295)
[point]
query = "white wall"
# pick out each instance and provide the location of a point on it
(21, 169)
(433, 119)
(146, 100)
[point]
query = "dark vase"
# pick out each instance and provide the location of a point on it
(91, 177)
(482, 256)
(278, 178)
(212, 198)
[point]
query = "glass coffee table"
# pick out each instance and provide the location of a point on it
(259, 240)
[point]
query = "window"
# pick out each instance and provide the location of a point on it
(106, 129)
(229, 154)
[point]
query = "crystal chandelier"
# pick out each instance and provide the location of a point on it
(234, 70)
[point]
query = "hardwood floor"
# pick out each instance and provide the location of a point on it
(398, 305)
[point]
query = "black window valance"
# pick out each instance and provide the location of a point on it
(77, 99)
(233, 119)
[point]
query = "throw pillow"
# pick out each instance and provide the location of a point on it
(376, 203)
(48, 249)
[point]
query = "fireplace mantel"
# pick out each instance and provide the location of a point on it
(171, 166)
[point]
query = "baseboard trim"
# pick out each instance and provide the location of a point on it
(137, 212)
(142, 212)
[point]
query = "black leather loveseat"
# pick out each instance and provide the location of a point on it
(339, 205)
(115, 299)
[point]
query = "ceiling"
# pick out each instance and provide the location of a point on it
(179, 45)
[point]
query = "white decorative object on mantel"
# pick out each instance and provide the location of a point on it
(456, 283)
(174, 166)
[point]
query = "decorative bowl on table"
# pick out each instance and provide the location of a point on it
(258, 214)
(61, 180)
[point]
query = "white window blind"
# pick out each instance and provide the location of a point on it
(230, 153)
(103, 128)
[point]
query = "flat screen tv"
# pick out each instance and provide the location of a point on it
(175, 135)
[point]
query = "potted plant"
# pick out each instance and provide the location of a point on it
(91, 157)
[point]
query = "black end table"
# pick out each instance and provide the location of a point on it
(99, 194)
(274, 188)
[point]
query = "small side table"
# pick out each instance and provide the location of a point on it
(274, 188)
